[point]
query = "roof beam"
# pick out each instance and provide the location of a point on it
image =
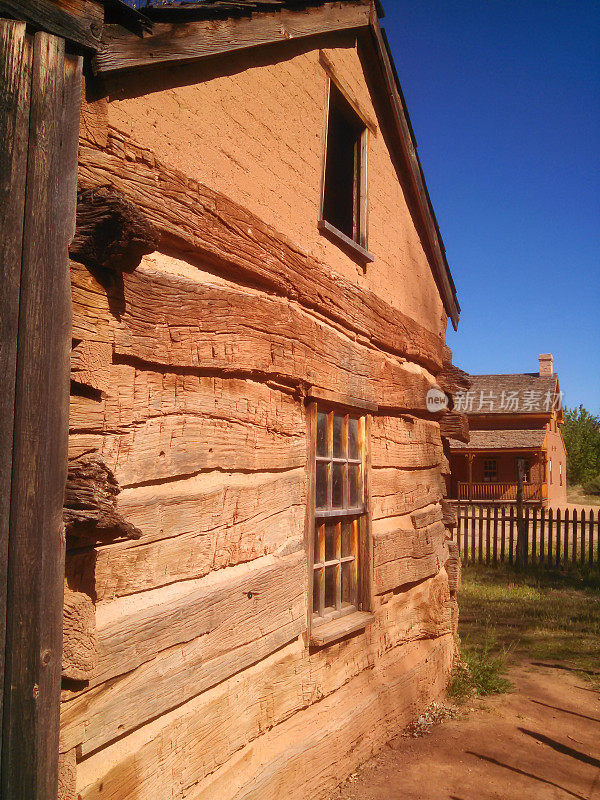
(192, 41)
(78, 21)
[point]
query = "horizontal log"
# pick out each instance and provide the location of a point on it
(176, 322)
(449, 513)
(197, 40)
(397, 492)
(80, 643)
(407, 556)
(158, 426)
(405, 442)
(132, 632)
(336, 735)
(182, 645)
(111, 232)
(209, 227)
(192, 527)
(452, 379)
(454, 425)
(427, 516)
(90, 512)
(197, 737)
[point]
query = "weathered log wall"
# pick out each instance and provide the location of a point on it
(186, 662)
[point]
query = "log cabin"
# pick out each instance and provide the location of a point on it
(512, 418)
(226, 304)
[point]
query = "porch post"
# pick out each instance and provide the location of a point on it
(470, 458)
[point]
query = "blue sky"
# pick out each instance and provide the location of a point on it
(504, 98)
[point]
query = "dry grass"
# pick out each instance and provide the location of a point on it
(540, 615)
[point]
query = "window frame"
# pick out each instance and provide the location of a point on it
(487, 469)
(355, 247)
(319, 517)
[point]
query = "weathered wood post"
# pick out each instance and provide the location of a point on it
(40, 86)
(522, 524)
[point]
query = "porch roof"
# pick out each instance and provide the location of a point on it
(502, 440)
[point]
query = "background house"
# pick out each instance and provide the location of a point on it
(512, 418)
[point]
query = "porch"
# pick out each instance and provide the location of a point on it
(491, 476)
(501, 492)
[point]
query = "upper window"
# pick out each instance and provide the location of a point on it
(339, 528)
(344, 191)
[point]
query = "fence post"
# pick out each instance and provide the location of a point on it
(480, 537)
(495, 535)
(522, 524)
(582, 536)
(550, 534)
(473, 509)
(557, 554)
(488, 534)
(598, 532)
(591, 538)
(511, 535)
(534, 535)
(502, 538)
(542, 531)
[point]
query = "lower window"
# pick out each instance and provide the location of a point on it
(340, 514)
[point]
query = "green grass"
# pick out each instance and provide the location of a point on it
(539, 615)
(482, 673)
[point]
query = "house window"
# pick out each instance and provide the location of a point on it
(340, 513)
(526, 469)
(490, 470)
(344, 189)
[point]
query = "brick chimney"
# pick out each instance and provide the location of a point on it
(546, 369)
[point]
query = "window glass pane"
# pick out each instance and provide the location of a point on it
(338, 436)
(353, 449)
(331, 541)
(322, 433)
(347, 549)
(355, 493)
(349, 582)
(338, 486)
(330, 586)
(319, 544)
(321, 485)
(317, 580)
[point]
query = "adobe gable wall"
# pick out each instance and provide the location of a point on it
(256, 134)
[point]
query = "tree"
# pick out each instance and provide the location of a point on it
(581, 433)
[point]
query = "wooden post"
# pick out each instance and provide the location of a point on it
(15, 84)
(542, 530)
(480, 532)
(41, 339)
(566, 537)
(534, 535)
(522, 525)
(558, 542)
(550, 532)
(488, 533)
(582, 536)
(473, 531)
(511, 535)
(502, 538)
(591, 539)
(495, 535)
(470, 461)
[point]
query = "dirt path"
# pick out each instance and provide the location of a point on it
(540, 742)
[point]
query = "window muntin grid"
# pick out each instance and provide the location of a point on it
(339, 512)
